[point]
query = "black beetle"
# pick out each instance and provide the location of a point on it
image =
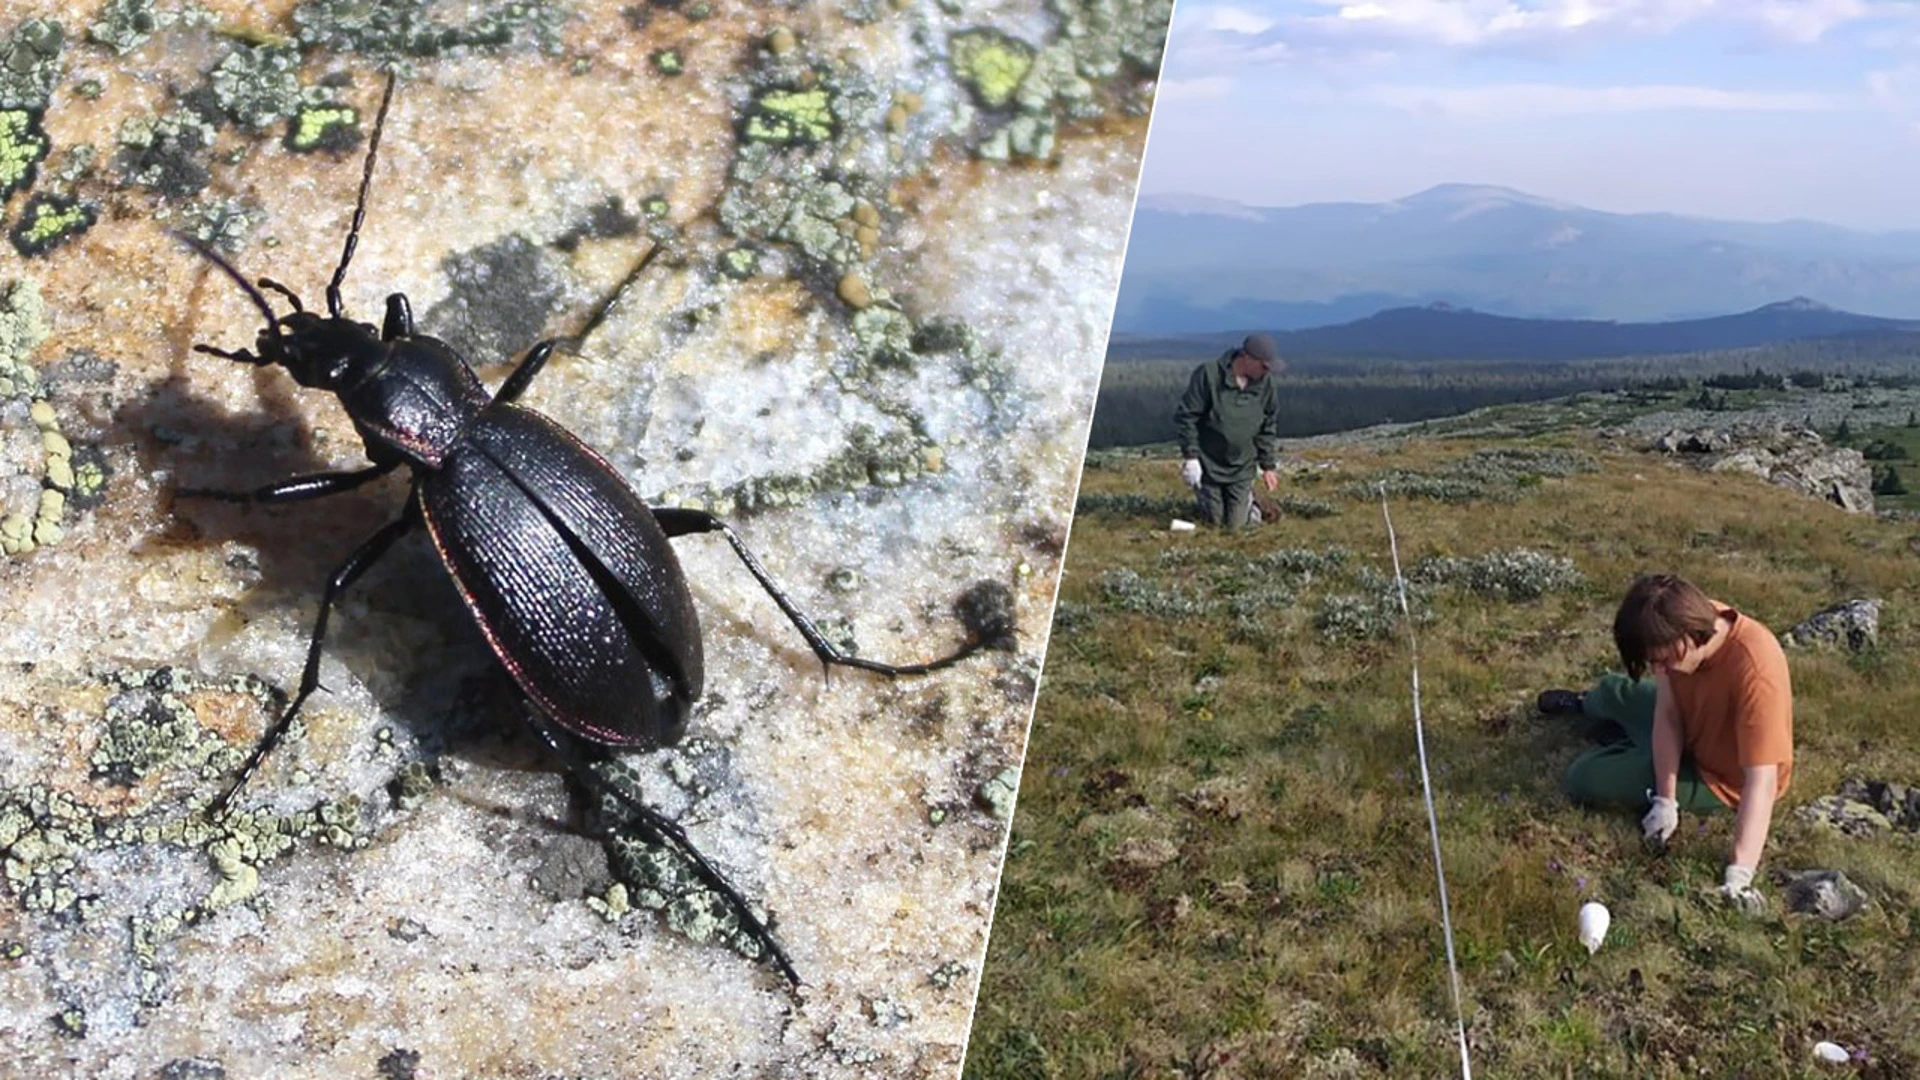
(569, 575)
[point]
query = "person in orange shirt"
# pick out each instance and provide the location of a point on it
(1711, 729)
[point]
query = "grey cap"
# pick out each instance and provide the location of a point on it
(1261, 348)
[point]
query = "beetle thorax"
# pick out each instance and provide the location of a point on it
(415, 402)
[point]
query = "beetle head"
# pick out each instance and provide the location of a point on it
(321, 352)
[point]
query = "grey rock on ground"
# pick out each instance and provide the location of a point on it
(1854, 624)
(1788, 455)
(1826, 893)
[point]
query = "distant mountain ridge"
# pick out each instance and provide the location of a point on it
(1445, 332)
(1199, 263)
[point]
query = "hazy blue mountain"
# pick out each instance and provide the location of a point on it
(1445, 332)
(1196, 263)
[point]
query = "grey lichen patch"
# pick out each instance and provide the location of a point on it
(1109, 36)
(652, 874)
(193, 1069)
(125, 25)
(412, 786)
(170, 154)
(947, 974)
(997, 794)
(222, 222)
(871, 458)
(408, 28)
(258, 86)
(151, 725)
(30, 64)
(885, 336)
(502, 295)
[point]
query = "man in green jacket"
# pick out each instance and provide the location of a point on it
(1229, 429)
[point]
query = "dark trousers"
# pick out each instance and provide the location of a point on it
(1225, 504)
(1619, 774)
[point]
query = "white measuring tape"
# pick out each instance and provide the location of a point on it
(1426, 786)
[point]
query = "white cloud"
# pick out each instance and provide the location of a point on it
(1533, 100)
(1204, 89)
(1520, 23)
(1232, 20)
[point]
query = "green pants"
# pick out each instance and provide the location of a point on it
(1618, 776)
(1227, 505)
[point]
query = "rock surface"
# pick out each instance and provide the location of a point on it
(405, 890)
(1826, 893)
(1853, 625)
(1791, 456)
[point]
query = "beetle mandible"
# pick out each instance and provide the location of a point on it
(569, 575)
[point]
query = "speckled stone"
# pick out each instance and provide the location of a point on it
(405, 889)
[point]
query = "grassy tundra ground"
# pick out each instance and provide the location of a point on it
(1220, 864)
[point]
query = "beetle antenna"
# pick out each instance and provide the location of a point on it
(208, 253)
(606, 306)
(334, 307)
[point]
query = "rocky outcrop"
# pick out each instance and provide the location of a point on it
(1826, 893)
(1854, 625)
(1793, 457)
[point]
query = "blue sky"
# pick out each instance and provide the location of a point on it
(1755, 110)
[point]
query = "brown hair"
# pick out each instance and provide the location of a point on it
(1659, 610)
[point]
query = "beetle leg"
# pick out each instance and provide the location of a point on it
(315, 486)
(680, 522)
(241, 355)
(658, 827)
(522, 376)
(399, 321)
(357, 563)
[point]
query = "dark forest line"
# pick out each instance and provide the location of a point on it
(1320, 396)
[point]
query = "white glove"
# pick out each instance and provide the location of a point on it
(1660, 821)
(1190, 471)
(1736, 888)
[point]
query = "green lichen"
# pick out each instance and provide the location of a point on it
(30, 64)
(47, 221)
(740, 263)
(71, 1022)
(791, 117)
(239, 879)
(669, 62)
(23, 145)
(323, 127)
(990, 64)
(125, 25)
(613, 905)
